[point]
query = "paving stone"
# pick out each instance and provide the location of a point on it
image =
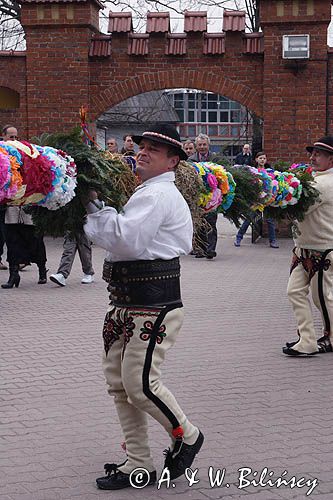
(256, 407)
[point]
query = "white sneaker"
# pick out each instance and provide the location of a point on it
(59, 279)
(87, 278)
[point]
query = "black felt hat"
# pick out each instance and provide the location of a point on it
(323, 144)
(163, 134)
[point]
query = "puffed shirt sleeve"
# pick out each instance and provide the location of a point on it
(130, 232)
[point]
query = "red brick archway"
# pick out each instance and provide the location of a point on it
(68, 63)
(174, 79)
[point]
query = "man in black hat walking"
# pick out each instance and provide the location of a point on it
(311, 267)
(144, 243)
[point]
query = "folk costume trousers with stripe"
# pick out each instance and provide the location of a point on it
(311, 271)
(135, 343)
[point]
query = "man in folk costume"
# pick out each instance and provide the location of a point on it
(144, 242)
(311, 267)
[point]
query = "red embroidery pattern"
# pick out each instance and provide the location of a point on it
(311, 262)
(147, 330)
(128, 330)
(115, 326)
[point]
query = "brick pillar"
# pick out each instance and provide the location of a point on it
(58, 37)
(294, 101)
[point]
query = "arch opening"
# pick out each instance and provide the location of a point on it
(227, 122)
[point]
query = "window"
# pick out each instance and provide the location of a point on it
(212, 105)
(224, 130)
(234, 105)
(235, 116)
(235, 131)
(212, 116)
(179, 99)
(212, 130)
(191, 101)
(180, 113)
(224, 116)
(224, 104)
(183, 130)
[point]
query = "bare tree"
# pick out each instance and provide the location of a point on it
(11, 31)
(178, 8)
(11, 9)
(12, 35)
(144, 108)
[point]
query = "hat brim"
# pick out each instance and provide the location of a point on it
(138, 138)
(321, 148)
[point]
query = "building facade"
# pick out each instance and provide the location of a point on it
(69, 63)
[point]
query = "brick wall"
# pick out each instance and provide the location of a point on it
(58, 76)
(294, 99)
(232, 74)
(13, 76)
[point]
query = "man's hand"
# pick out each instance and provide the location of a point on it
(93, 203)
(92, 195)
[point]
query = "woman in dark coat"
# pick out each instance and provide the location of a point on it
(23, 245)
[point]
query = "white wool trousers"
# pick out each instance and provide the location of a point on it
(136, 341)
(311, 272)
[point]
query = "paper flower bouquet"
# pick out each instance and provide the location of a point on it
(219, 186)
(34, 175)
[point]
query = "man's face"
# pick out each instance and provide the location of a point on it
(10, 135)
(321, 160)
(112, 145)
(128, 143)
(202, 146)
(152, 160)
(246, 149)
(189, 148)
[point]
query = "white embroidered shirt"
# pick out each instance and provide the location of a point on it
(155, 224)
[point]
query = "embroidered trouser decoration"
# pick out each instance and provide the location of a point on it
(311, 270)
(135, 343)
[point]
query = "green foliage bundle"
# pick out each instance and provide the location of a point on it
(110, 177)
(247, 194)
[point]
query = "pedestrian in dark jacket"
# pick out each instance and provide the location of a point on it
(245, 157)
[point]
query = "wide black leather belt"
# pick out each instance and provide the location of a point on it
(144, 282)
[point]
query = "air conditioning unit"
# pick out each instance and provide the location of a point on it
(296, 47)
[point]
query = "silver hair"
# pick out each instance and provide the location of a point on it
(202, 137)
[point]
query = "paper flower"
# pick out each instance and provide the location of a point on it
(31, 175)
(219, 186)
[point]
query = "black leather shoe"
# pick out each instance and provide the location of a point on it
(117, 480)
(291, 344)
(324, 344)
(292, 352)
(211, 255)
(200, 256)
(184, 458)
(42, 275)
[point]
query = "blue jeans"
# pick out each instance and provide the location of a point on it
(270, 224)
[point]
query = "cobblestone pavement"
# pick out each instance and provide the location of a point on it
(256, 407)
